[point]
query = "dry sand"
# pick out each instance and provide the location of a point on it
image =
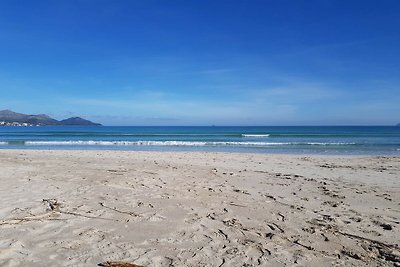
(80, 208)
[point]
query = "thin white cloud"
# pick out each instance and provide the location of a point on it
(194, 111)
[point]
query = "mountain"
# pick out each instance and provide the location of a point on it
(40, 119)
(78, 121)
(8, 116)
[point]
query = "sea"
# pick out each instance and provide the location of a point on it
(331, 140)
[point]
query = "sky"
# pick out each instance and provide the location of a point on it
(217, 62)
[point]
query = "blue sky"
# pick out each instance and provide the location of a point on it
(297, 62)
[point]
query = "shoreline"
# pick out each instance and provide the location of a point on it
(160, 208)
(178, 150)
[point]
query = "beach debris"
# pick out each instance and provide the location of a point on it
(118, 264)
(53, 210)
(54, 206)
(52, 203)
(389, 252)
(326, 239)
(119, 211)
(260, 171)
(269, 235)
(351, 254)
(117, 172)
(297, 242)
(241, 191)
(221, 233)
(386, 226)
(237, 205)
(269, 196)
(274, 225)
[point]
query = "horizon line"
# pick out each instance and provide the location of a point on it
(307, 125)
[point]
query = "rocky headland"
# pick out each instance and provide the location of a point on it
(11, 118)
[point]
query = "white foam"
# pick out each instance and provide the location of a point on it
(255, 135)
(172, 143)
(3, 143)
(328, 144)
(145, 143)
(76, 143)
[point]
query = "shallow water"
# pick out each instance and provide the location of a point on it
(359, 140)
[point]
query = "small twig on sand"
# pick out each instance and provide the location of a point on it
(277, 226)
(53, 204)
(370, 240)
(237, 205)
(86, 216)
(304, 246)
(388, 252)
(28, 219)
(119, 211)
(118, 264)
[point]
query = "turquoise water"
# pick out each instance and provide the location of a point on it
(374, 140)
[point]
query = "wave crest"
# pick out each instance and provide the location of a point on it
(255, 135)
(178, 143)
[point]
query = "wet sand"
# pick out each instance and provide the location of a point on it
(81, 208)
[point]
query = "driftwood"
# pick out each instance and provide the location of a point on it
(119, 211)
(118, 264)
(369, 240)
(54, 208)
(389, 252)
(297, 242)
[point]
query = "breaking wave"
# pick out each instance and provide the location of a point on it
(255, 135)
(178, 143)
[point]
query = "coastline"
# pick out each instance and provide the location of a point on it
(83, 207)
(300, 140)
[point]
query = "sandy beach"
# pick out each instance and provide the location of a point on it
(82, 208)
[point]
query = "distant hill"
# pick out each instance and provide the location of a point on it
(8, 116)
(78, 121)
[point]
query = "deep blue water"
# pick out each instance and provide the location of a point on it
(362, 140)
